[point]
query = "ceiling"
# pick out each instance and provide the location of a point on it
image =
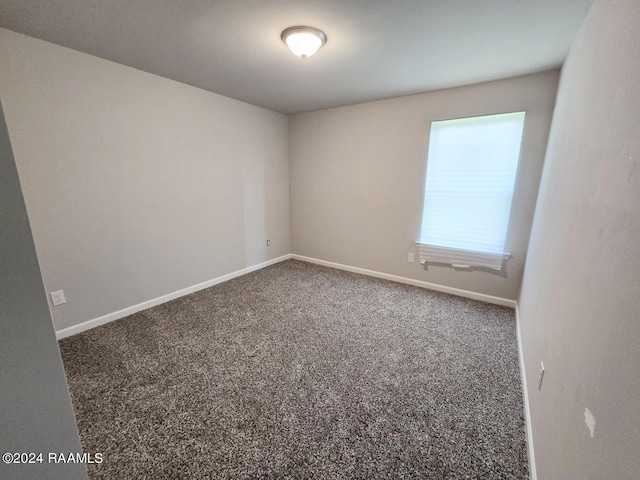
(375, 49)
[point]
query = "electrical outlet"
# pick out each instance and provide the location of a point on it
(540, 375)
(268, 243)
(57, 298)
(411, 257)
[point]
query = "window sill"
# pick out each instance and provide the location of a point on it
(461, 258)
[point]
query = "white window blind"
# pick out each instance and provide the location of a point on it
(471, 171)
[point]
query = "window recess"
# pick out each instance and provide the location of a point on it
(471, 171)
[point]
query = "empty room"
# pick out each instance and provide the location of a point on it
(320, 239)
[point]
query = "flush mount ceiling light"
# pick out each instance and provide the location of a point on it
(303, 41)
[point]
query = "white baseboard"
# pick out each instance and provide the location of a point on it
(525, 394)
(89, 324)
(81, 327)
(410, 281)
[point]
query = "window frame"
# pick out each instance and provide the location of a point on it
(463, 257)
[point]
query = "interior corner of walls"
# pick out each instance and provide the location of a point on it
(525, 398)
(319, 157)
(110, 114)
(505, 302)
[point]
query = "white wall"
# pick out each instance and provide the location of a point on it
(580, 299)
(358, 172)
(137, 186)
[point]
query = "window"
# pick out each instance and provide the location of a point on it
(471, 171)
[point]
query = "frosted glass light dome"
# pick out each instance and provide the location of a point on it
(303, 41)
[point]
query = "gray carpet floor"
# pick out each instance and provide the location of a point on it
(300, 371)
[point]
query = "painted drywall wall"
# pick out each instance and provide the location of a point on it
(358, 173)
(36, 414)
(580, 299)
(138, 186)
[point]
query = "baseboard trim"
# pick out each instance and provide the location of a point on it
(89, 324)
(96, 322)
(410, 281)
(525, 395)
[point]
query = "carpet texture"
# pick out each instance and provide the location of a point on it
(299, 371)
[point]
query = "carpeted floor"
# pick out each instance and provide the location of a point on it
(299, 371)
